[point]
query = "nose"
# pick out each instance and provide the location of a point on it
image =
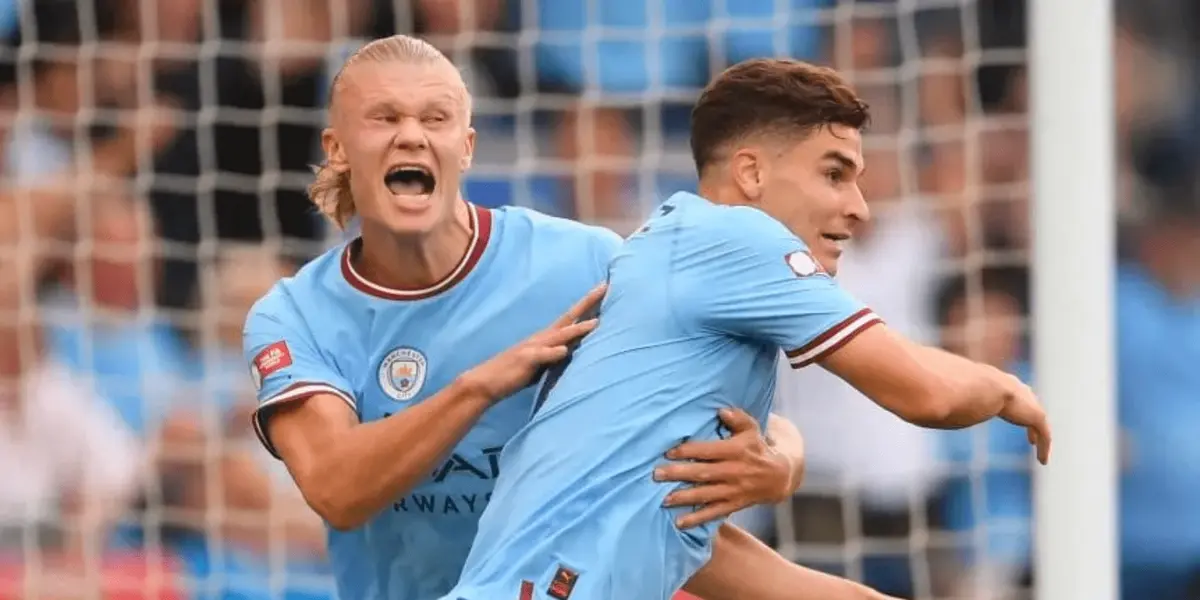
(410, 135)
(857, 209)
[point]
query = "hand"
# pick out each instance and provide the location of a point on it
(1024, 410)
(783, 435)
(516, 367)
(729, 474)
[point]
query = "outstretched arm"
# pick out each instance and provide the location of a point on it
(743, 568)
(933, 388)
(780, 295)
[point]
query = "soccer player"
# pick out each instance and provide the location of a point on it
(393, 369)
(700, 302)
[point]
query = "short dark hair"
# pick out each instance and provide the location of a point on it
(765, 94)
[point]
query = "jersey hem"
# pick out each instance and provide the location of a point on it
(833, 339)
(295, 392)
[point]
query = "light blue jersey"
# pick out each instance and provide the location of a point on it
(329, 330)
(700, 302)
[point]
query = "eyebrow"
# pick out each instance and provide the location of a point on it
(844, 160)
(441, 101)
(377, 105)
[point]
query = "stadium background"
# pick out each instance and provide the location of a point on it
(154, 158)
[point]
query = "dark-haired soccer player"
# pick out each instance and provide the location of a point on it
(700, 302)
(393, 369)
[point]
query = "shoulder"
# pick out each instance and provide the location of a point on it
(292, 297)
(542, 224)
(716, 232)
(724, 242)
(740, 225)
(557, 232)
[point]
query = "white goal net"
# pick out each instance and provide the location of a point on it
(158, 152)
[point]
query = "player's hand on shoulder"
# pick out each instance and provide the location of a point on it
(516, 368)
(728, 475)
(1023, 409)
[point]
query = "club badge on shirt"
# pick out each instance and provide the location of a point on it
(803, 264)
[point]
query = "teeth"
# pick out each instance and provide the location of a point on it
(409, 180)
(421, 170)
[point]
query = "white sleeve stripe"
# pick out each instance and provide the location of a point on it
(834, 338)
(288, 395)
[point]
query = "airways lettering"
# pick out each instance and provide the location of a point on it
(443, 504)
(484, 467)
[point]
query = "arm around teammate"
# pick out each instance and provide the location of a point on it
(348, 471)
(746, 469)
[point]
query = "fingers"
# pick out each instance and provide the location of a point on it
(710, 450)
(1038, 434)
(708, 513)
(588, 302)
(738, 420)
(567, 333)
(1037, 426)
(544, 355)
(1025, 411)
(695, 472)
(700, 495)
(1041, 435)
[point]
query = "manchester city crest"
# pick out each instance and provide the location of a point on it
(402, 373)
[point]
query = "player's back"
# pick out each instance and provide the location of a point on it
(383, 351)
(577, 507)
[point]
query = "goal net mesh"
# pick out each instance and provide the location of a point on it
(207, 115)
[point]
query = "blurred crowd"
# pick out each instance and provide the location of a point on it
(154, 157)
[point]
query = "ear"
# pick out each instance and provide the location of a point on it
(335, 155)
(747, 169)
(469, 151)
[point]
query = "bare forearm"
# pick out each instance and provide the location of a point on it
(366, 467)
(743, 568)
(973, 392)
(920, 384)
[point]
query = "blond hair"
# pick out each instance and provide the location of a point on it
(331, 190)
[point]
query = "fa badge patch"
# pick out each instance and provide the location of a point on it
(271, 359)
(402, 374)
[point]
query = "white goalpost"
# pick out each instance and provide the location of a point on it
(1074, 217)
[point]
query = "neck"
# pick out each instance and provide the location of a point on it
(411, 262)
(721, 193)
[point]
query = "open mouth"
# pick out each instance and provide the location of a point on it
(410, 180)
(836, 237)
